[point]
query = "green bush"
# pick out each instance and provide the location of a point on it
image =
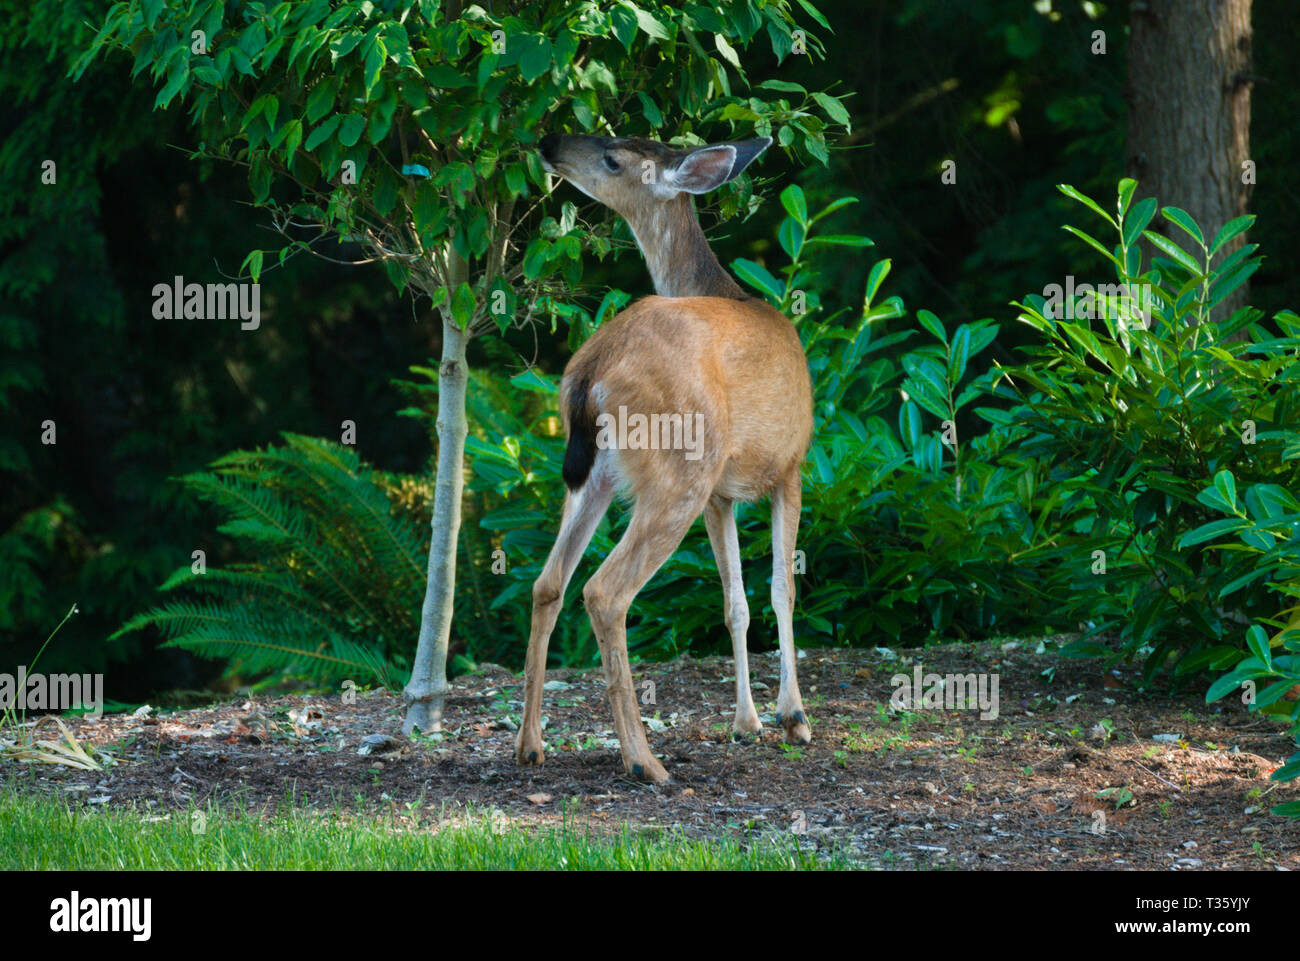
(1137, 396)
(1266, 525)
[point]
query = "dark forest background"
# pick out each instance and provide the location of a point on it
(1007, 88)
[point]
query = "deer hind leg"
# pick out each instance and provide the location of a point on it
(720, 519)
(659, 522)
(786, 500)
(583, 510)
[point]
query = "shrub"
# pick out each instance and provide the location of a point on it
(1266, 525)
(1132, 403)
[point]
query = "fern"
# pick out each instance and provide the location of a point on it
(332, 582)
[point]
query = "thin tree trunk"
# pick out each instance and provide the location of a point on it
(1189, 113)
(425, 694)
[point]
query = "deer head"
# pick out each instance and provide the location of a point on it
(650, 185)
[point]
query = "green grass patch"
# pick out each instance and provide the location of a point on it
(39, 834)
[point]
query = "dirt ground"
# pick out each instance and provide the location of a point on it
(1078, 770)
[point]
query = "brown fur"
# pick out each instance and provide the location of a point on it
(740, 364)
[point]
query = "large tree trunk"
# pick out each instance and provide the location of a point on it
(426, 692)
(1189, 113)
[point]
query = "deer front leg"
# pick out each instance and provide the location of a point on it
(786, 500)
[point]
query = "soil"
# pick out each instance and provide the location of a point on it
(1080, 769)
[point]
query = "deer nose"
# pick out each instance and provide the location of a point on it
(547, 146)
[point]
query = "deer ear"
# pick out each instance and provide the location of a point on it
(746, 152)
(708, 168)
(704, 169)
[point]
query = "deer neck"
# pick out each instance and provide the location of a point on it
(681, 262)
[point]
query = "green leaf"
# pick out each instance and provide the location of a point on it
(350, 129)
(534, 380)
(344, 45)
(253, 264)
(508, 518)
(1087, 202)
(374, 64)
(650, 24)
(929, 375)
(241, 61)
(823, 470)
(516, 179)
(1231, 229)
(442, 77)
(462, 305)
(1181, 217)
(909, 423)
(292, 138)
(1267, 501)
(623, 22)
(790, 236)
(535, 59)
(1094, 244)
(322, 133)
(1257, 642)
(932, 323)
(758, 277)
(650, 110)
(874, 279)
(815, 14)
(924, 395)
(842, 240)
(834, 109)
(1288, 772)
(783, 86)
(1212, 531)
(1179, 256)
(834, 206)
(208, 74)
(727, 50)
(1226, 485)
(175, 81)
(321, 99)
(959, 354)
(1126, 188)
(1139, 220)
(792, 199)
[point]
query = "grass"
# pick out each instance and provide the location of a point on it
(41, 834)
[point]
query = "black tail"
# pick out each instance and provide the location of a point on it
(580, 453)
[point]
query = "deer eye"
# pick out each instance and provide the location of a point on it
(611, 164)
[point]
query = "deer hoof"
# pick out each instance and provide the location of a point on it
(528, 748)
(796, 728)
(649, 770)
(747, 728)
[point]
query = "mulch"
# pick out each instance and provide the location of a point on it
(1081, 768)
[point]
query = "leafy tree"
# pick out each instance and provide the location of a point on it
(404, 129)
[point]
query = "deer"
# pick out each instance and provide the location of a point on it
(702, 348)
